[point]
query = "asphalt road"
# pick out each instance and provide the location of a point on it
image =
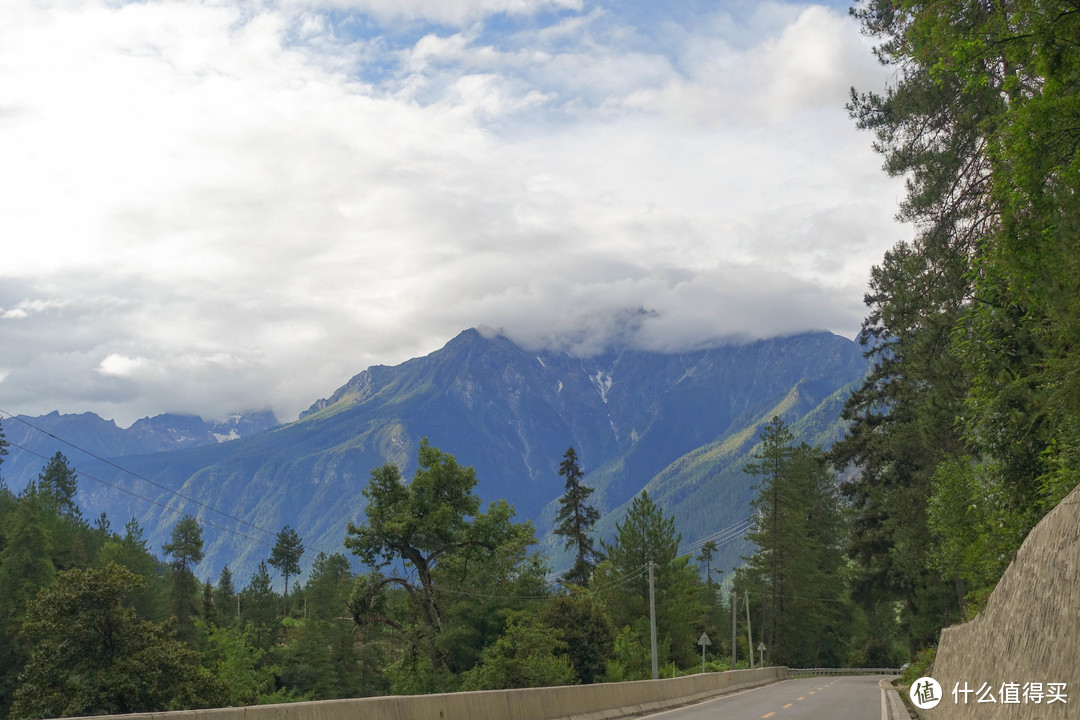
(820, 698)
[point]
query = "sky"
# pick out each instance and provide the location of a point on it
(214, 206)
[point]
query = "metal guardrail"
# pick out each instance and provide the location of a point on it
(815, 672)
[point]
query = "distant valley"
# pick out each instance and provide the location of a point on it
(679, 424)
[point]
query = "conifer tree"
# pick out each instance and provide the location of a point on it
(225, 595)
(708, 550)
(185, 546)
(576, 519)
(58, 484)
(647, 534)
(285, 558)
(211, 613)
(328, 586)
(132, 552)
(796, 570)
(3, 451)
(25, 568)
(259, 605)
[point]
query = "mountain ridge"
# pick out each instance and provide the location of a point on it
(44, 435)
(509, 412)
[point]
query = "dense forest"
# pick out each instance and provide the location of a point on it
(962, 437)
(965, 434)
(453, 597)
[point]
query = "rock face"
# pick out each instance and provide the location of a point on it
(1029, 632)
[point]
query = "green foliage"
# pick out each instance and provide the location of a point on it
(225, 597)
(131, 552)
(646, 534)
(585, 628)
(57, 486)
(575, 520)
(25, 568)
(966, 429)
(239, 664)
(973, 527)
(185, 544)
(797, 571)
(329, 584)
(433, 526)
(186, 548)
(258, 608)
(528, 654)
(327, 659)
(631, 654)
(708, 550)
(91, 656)
(921, 666)
(285, 557)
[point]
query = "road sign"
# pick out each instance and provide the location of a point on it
(761, 647)
(704, 642)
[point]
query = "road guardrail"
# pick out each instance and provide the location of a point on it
(814, 672)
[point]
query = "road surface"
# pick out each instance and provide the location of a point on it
(818, 698)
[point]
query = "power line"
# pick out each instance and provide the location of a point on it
(171, 509)
(625, 579)
(177, 511)
(722, 537)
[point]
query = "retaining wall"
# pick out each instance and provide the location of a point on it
(1028, 632)
(571, 702)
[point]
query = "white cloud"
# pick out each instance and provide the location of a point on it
(811, 65)
(218, 206)
(121, 365)
(25, 308)
(453, 12)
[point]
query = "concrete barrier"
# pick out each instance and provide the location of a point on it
(569, 702)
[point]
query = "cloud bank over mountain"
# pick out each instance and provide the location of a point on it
(216, 206)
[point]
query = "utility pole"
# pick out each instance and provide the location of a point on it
(734, 617)
(652, 621)
(749, 632)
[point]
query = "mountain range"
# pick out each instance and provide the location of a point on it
(47, 434)
(681, 425)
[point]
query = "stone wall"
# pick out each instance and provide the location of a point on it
(1028, 632)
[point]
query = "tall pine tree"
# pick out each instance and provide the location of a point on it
(285, 558)
(185, 546)
(575, 521)
(797, 569)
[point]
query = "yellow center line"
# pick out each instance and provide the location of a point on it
(767, 715)
(798, 699)
(811, 692)
(787, 706)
